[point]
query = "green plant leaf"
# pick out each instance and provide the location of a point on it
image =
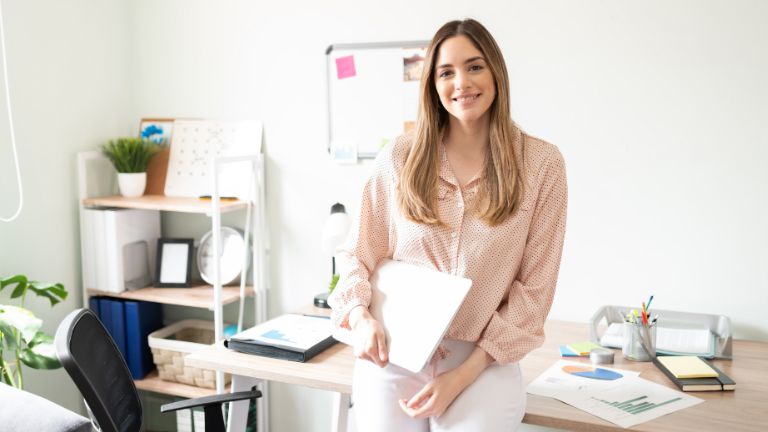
(129, 154)
(7, 331)
(40, 338)
(40, 356)
(12, 280)
(334, 281)
(21, 320)
(55, 292)
(20, 289)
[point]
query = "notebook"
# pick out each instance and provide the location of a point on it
(687, 367)
(416, 305)
(717, 382)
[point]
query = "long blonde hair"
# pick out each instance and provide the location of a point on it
(501, 192)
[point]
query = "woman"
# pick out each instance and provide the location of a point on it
(468, 194)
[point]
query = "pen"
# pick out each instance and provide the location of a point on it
(645, 316)
(648, 306)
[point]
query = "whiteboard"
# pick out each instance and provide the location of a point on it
(194, 145)
(373, 95)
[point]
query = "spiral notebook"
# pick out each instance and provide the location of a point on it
(416, 305)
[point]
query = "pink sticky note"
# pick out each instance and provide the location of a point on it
(345, 67)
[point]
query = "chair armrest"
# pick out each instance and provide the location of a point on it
(210, 400)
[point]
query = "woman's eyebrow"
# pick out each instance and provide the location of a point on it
(469, 60)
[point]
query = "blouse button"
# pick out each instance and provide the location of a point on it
(461, 204)
(453, 234)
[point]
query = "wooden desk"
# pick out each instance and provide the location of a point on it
(740, 410)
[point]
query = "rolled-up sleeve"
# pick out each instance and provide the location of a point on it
(517, 326)
(367, 244)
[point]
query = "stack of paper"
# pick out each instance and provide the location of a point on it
(669, 341)
(616, 395)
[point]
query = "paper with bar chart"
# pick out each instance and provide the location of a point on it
(616, 395)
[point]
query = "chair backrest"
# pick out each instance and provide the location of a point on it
(93, 361)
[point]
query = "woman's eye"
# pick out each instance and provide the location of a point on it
(445, 73)
(475, 68)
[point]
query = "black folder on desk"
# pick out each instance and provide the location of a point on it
(288, 337)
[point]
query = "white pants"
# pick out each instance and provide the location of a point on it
(494, 402)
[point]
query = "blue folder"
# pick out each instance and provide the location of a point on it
(141, 319)
(93, 304)
(118, 326)
(105, 313)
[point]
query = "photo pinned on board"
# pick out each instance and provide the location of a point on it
(156, 130)
(413, 63)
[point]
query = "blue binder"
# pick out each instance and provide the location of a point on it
(118, 325)
(141, 319)
(105, 313)
(93, 304)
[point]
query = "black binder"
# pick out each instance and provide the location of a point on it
(257, 340)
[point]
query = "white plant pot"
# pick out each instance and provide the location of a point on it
(132, 185)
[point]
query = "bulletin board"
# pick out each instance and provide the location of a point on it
(194, 145)
(373, 95)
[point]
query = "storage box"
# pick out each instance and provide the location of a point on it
(170, 345)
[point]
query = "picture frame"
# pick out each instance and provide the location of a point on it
(157, 130)
(174, 262)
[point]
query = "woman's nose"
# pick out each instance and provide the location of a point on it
(462, 81)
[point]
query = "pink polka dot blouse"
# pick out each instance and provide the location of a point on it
(513, 265)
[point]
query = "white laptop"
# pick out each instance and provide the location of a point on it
(416, 305)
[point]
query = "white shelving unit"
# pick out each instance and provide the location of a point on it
(100, 194)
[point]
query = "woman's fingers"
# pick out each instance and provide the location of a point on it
(419, 398)
(382, 347)
(371, 342)
(423, 411)
(372, 351)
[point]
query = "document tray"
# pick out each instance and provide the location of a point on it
(719, 325)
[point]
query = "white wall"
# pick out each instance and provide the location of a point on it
(68, 82)
(657, 106)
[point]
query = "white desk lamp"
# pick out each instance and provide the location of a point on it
(334, 233)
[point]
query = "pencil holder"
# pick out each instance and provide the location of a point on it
(639, 342)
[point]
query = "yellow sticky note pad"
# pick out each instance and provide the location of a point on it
(583, 348)
(687, 366)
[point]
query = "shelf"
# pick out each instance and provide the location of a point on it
(198, 296)
(153, 383)
(163, 203)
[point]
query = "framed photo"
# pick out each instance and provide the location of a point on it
(174, 262)
(156, 130)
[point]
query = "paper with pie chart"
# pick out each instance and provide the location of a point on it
(616, 395)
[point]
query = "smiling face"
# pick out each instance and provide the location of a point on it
(464, 81)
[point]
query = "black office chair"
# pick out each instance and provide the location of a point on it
(93, 361)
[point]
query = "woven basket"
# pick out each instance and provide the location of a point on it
(170, 345)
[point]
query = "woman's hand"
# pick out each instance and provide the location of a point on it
(435, 397)
(370, 341)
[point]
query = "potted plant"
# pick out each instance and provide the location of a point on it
(130, 157)
(20, 334)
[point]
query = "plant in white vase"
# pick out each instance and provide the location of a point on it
(130, 157)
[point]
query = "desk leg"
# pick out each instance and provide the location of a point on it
(238, 411)
(340, 413)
